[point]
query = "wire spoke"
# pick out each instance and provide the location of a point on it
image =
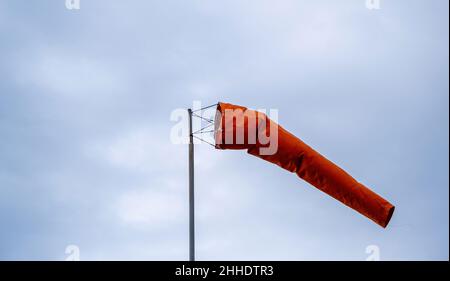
(202, 129)
(204, 132)
(203, 118)
(206, 107)
(204, 141)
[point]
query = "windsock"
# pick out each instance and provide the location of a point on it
(237, 127)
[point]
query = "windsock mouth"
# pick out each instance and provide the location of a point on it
(222, 126)
(218, 126)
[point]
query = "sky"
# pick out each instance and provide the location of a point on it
(86, 157)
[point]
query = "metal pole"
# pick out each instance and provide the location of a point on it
(191, 191)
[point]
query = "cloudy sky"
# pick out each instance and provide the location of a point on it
(86, 157)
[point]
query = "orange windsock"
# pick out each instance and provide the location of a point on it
(237, 127)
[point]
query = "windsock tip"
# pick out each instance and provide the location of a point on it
(389, 216)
